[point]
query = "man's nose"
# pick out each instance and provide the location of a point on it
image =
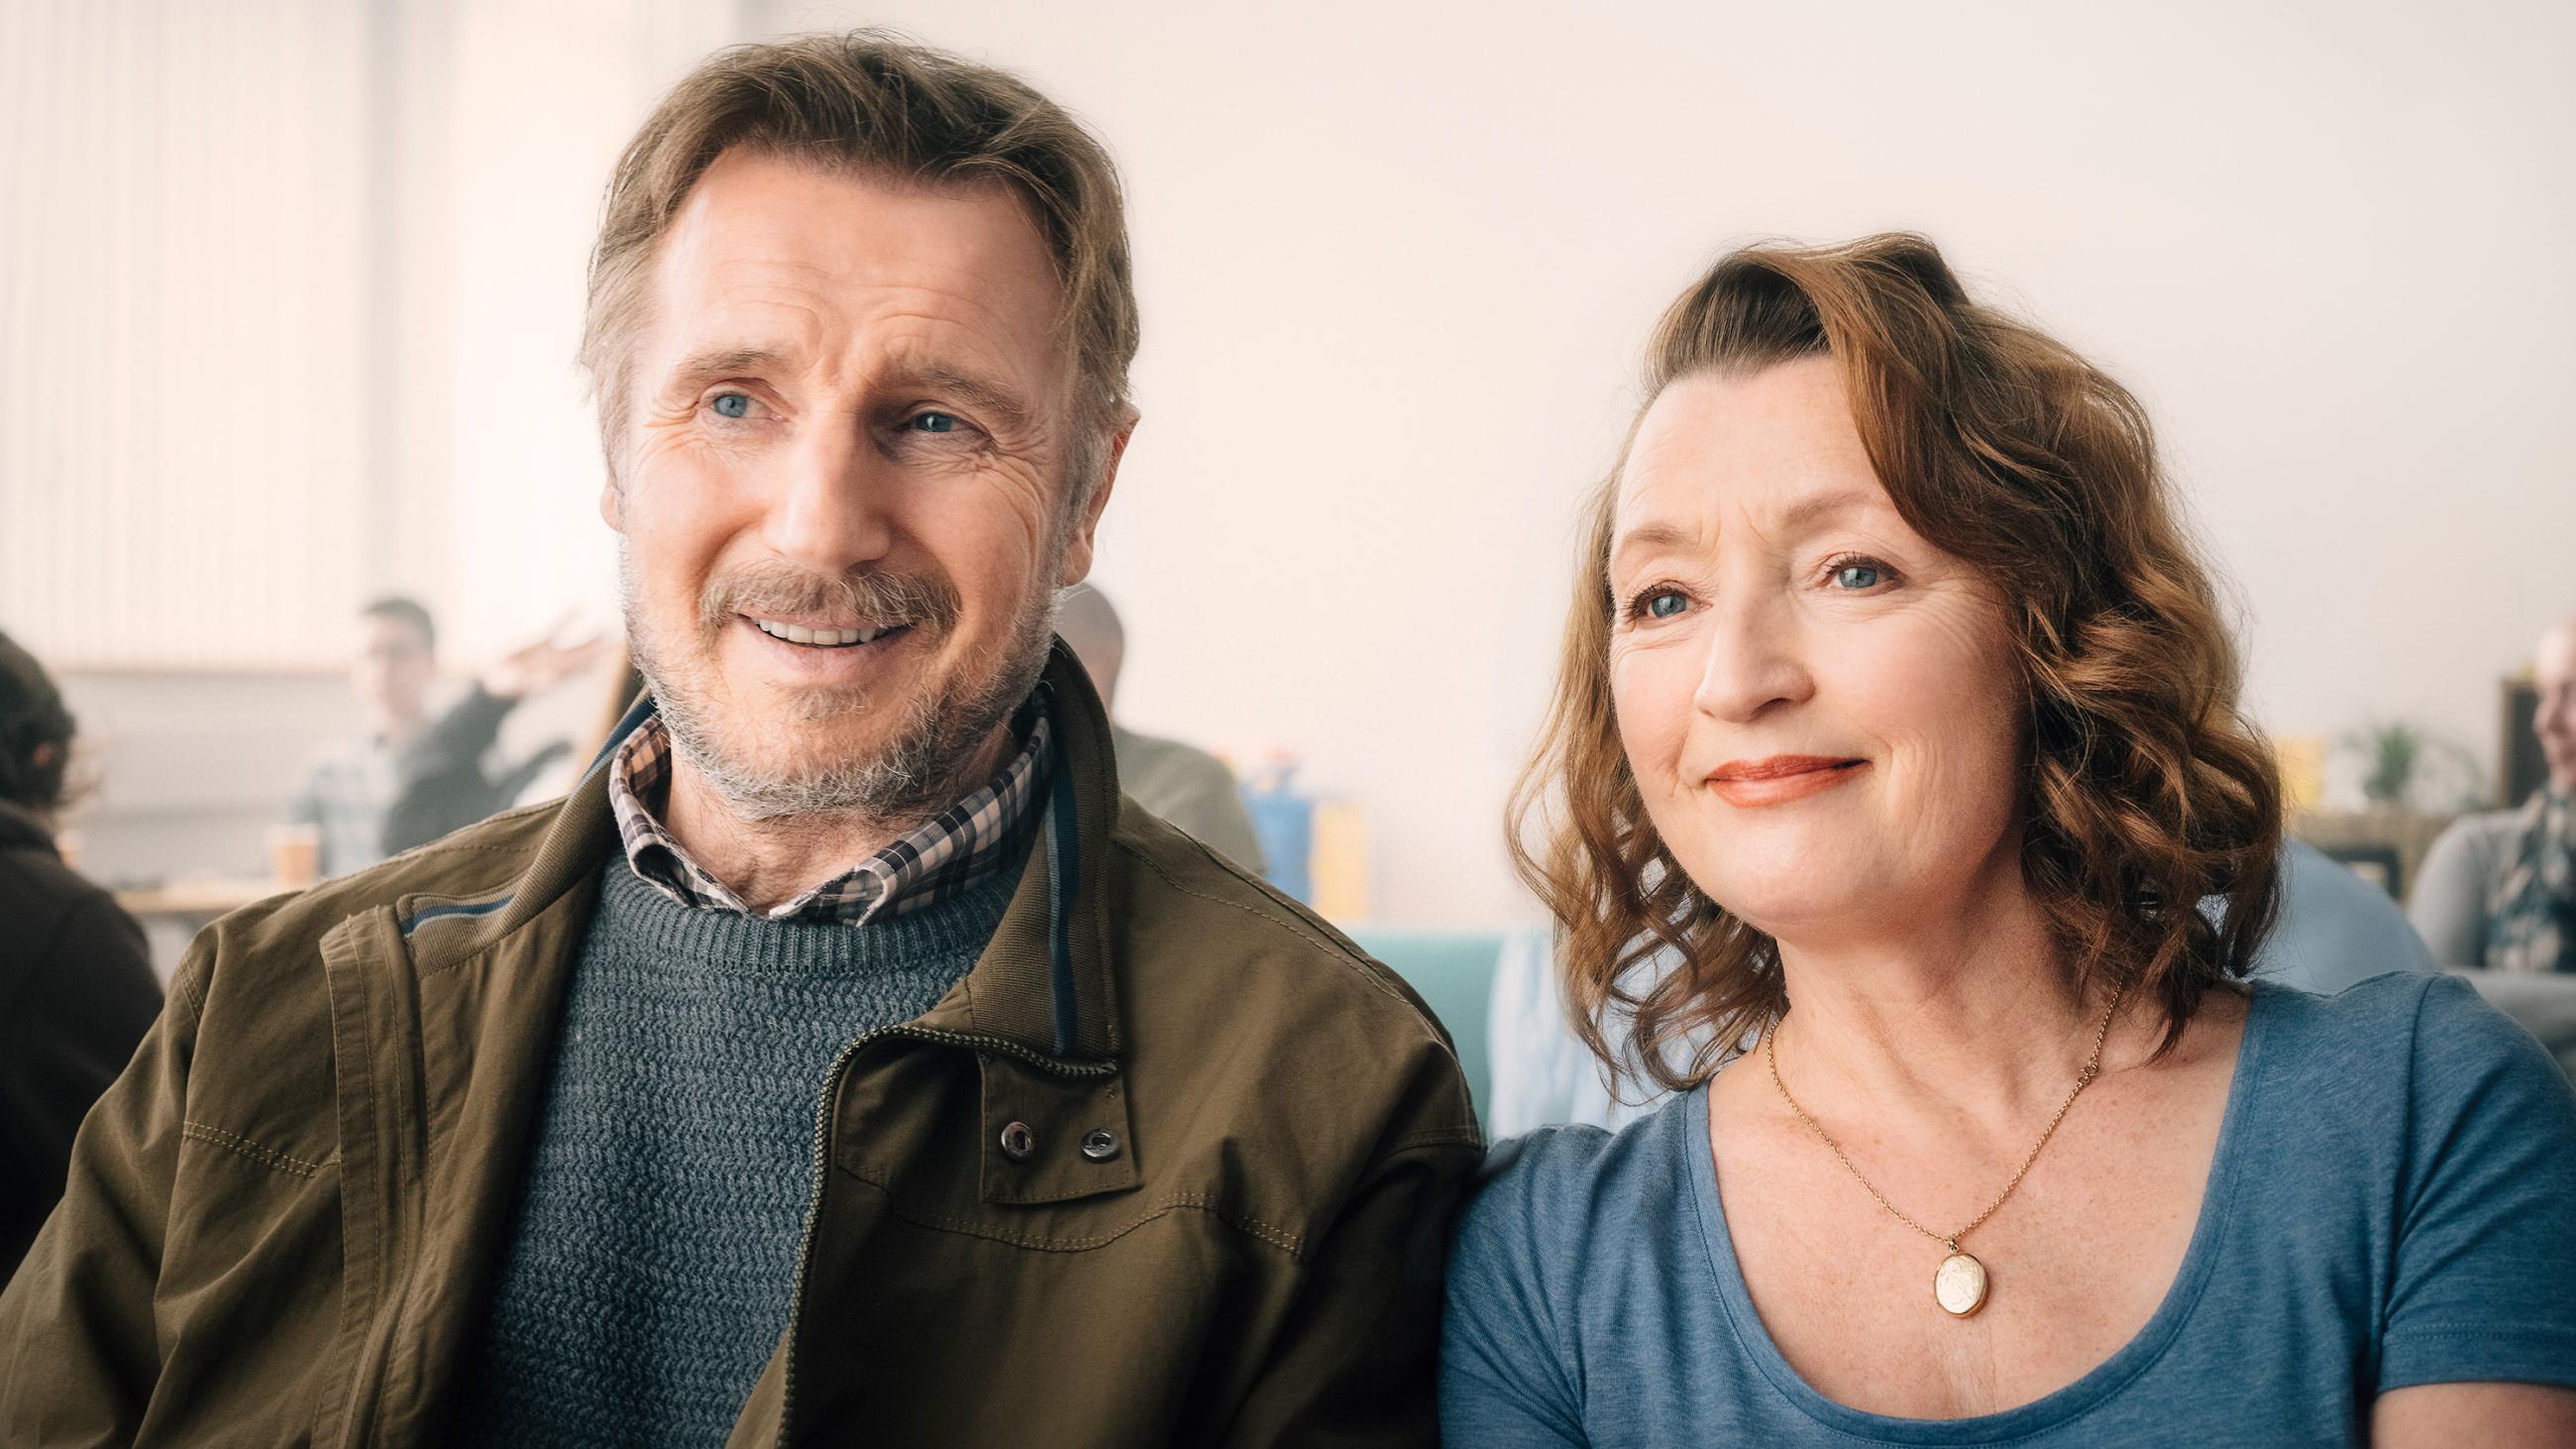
(828, 508)
(1752, 663)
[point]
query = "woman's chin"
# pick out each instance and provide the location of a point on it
(1789, 907)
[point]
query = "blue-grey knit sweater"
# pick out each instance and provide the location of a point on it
(651, 1262)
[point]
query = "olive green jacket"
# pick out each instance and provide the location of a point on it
(284, 1220)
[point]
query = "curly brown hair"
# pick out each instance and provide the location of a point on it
(2146, 791)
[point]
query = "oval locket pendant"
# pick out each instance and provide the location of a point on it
(1959, 1285)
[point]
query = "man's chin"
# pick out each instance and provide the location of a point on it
(774, 787)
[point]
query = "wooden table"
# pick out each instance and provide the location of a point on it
(2403, 833)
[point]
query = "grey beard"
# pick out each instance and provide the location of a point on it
(917, 773)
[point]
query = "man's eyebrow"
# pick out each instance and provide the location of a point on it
(976, 392)
(716, 362)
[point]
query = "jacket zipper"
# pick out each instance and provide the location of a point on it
(826, 1110)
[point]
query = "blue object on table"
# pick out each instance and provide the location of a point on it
(1283, 820)
(1453, 973)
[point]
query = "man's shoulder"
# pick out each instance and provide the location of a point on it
(1151, 760)
(287, 930)
(1201, 913)
(1214, 954)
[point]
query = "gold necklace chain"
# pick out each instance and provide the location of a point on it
(2083, 1079)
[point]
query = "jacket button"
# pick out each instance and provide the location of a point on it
(1018, 1142)
(1100, 1144)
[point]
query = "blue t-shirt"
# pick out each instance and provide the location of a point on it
(2392, 1202)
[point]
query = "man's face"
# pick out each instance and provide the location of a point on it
(842, 485)
(2555, 722)
(393, 672)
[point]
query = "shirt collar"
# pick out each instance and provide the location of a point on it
(959, 848)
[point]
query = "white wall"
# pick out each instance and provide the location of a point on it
(541, 98)
(1396, 262)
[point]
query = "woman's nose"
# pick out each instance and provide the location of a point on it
(1752, 662)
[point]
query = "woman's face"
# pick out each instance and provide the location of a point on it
(1821, 708)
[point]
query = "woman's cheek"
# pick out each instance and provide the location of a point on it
(1652, 695)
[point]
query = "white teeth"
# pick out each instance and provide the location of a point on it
(826, 638)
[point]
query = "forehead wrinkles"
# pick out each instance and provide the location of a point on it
(894, 336)
(814, 256)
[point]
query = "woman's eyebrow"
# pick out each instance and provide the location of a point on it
(1648, 537)
(1807, 510)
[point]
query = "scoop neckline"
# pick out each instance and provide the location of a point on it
(2051, 1410)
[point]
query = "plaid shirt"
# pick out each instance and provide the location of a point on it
(960, 847)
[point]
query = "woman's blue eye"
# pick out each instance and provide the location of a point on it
(1665, 604)
(1856, 576)
(732, 405)
(934, 423)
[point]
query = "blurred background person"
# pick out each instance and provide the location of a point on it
(1182, 783)
(2498, 889)
(411, 777)
(76, 986)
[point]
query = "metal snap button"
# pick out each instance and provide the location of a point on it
(1018, 1142)
(1100, 1144)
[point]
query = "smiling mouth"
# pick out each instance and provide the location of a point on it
(813, 638)
(1779, 779)
(1778, 767)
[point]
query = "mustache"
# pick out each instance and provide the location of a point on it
(767, 590)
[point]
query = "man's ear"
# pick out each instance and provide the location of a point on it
(612, 504)
(44, 755)
(1077, 554)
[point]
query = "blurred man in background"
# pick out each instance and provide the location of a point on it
(412, 778)
(2498, 888)
(76, 984)
(1184, 784)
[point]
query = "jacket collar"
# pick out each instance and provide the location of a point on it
(1045, 982)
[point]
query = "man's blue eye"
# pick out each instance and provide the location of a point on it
(1665, 605)
(732, 405)
(934, 423)
(1856, 576)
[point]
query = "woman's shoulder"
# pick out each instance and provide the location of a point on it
(2420, 1046)
(2408, 1114)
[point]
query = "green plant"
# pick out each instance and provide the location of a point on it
(2401, 765)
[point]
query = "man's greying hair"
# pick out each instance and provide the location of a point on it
(866, 101)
